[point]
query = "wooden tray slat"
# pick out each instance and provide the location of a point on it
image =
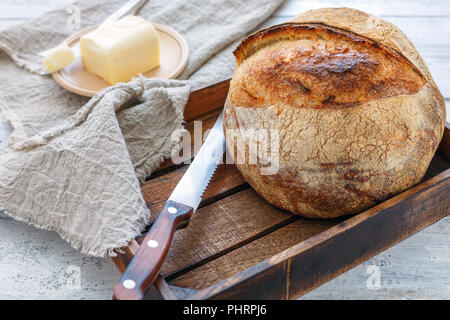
(253, 253)
(216, 228)
(206, 98)
(444, 147)
(226, 180)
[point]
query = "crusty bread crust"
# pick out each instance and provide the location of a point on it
(358, 113)
(317, 66)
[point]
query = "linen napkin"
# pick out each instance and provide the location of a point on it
(74, 165)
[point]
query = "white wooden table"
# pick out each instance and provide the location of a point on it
(36, 264)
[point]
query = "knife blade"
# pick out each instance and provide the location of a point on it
(129, 7)
(193, 183)
(181, 205)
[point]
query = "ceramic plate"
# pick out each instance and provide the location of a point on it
(173, 55)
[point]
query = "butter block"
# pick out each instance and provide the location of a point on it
(57, 58)
(121, 50)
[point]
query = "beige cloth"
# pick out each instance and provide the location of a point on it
(73, 165)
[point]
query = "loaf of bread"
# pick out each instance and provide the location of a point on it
(356, 110)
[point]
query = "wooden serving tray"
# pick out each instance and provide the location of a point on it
(238, 246)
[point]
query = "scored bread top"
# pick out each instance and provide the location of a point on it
(326, 58)
(315, 66)
(369, 26)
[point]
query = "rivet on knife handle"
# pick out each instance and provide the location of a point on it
(144, 267)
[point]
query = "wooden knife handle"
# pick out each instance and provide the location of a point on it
(144, 267)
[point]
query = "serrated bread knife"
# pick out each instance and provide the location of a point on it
(183, 202)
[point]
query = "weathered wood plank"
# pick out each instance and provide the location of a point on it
(29, 8)
(422, 31)
(406, 271)
(439, 66)
(37, 264)
(6, 23)
(5, 131)
(385, 8)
